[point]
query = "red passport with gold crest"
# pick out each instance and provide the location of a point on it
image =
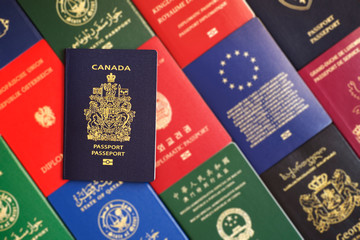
(334, 78)
(31, 113)
(187, 132)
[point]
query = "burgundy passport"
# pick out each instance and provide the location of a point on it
(334, 78)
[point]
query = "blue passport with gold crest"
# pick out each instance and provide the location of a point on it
(17, 33)
(109, 117)
(257, 95)
(114, 210)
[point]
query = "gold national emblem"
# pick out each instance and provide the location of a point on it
(332, 201)
(109, 115)
(4, 26)
(45, 117)
(234, 224)
(9, 210)
(163, 111)
(76, 12)
(300, 5)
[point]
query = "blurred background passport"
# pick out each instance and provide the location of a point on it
(110, 106)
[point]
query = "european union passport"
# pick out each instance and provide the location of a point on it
(109, 118)
(257, 95)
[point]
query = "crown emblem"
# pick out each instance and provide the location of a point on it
(318, 182)
(109, 115)
(111, 78)
(332, 200)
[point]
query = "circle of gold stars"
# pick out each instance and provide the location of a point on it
(231, 84)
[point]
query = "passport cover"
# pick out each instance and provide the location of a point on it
(24, 212)
(110, 108)
(257, 95)
(334, 78)
(318, 187)
(306, 28)
(114, 210)
(31, 113)
(225, 199)
(17, 34)
(187, 132)
(189, 28)
(90, 24)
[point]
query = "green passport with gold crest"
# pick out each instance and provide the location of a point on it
(109, 117)
(24, 211)
(224, 199)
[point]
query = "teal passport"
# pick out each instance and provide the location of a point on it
(109, 118)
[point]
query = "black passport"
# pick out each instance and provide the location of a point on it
(109, 120)
(318, 187)
(306, 28)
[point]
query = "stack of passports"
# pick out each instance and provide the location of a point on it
(24, 212)
(318, 187)
(306, 28)
(109, 121)
(257, 95)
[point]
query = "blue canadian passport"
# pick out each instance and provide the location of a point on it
(109, 117)
(114, 210)
(306, 28)
(17, 34)
(257, 95)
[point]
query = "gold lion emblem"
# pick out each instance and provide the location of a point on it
(45, 117)
(109, 116)
(332, 201)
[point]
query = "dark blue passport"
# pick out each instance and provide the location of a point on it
(17, 33)
(109, 117)
(306, 28)
(318, 187)
(257, 95)
(114, 210)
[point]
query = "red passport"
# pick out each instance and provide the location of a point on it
(189, 28)
(334, 78)
(31, 113)
(187, 132)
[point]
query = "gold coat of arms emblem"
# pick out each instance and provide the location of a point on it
(109, 116)
(4, 26)
(300, 5)
(332, 200)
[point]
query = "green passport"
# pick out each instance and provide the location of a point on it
(24, 212)
(224, 199)
(87, 24)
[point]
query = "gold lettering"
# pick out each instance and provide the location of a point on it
(97, 67)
